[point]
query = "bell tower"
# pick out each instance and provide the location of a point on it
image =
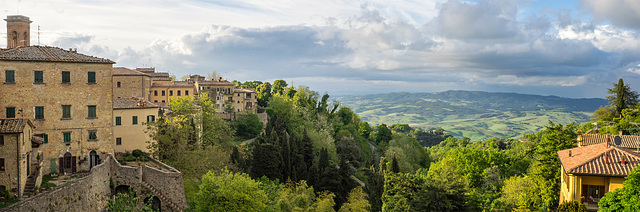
(18, 31)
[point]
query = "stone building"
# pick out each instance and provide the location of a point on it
(129, 83)
(162, 91)
(129, 116)
(68, 97)
(18, 31)
(220, 91)
(17, 158)
(245, 100)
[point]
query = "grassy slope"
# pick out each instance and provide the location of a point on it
(474, 118)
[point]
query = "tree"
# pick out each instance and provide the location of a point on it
(214, 75)
(383, 135)
(127, 202)
(622, 96)
(248, 125)
(279, 86)
(263, 93)
(625, 198)
(229, 191)
(356, 202)
(364, 129)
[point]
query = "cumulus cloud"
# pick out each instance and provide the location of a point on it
(624, 13)
(486, 19)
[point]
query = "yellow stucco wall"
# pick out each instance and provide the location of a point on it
(132, 136)
(571, 185)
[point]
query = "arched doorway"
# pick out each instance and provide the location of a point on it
(122, 189)
(93, 159)
(155, 203)
(67, 163)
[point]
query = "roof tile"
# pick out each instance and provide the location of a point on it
(49, 54)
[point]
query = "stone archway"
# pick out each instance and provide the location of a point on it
(93, 159)
(155, 203)
(67, 163)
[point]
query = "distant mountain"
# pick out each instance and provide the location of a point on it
(474, 114)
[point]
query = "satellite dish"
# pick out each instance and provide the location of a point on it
(617, 140)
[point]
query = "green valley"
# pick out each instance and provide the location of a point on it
(473, 114)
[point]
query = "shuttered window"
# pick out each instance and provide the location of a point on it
(38, 77)
(66, 77)
(9, 76)
(91, 77)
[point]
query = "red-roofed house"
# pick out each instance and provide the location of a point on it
(591, 171)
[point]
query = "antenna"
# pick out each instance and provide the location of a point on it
(38, 35)
(18, 6)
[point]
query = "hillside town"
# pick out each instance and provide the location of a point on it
(65, 112)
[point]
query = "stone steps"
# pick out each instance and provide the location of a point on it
(29, 187)
(162, 198)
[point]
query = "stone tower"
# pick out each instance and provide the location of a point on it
(18, 33)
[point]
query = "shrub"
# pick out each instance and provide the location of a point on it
(137, 153)
(572, 206)
(6, 194)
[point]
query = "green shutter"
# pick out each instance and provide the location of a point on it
(66, 77)
(135, 120)
(11, 112)
(66, 111)
(39, 113)
(92, 112)
(9, 76)
(37, 77)
(118, 120)
(67, 137)
(91, 77)
(46, 138)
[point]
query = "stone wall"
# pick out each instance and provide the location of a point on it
(89, 193)
(92, 192)
(131, 86)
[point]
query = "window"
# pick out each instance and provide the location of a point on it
(155, 100)
(66, 77)
(229, 90)
(9, 76)
(217, 98)
(186, 93)
(162, 101)
(93, 135)
(66, 136)
(118, 120)
(39, 111)
(1, 139)
(92, 112)
(155, 93)
(91, 77)
(217, 89)
(66, 111)
(170, 93)
(178, 93)
(134, 120)
(201, 88)
(2, 164)
(151, 118)
(118, 141)
(162, 93)
(37, 77)
(118, 84)
(11, 112)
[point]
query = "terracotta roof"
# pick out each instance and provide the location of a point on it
(591, 160)
(176, 84)
(243, 90)
(210, 82)
(49, 54)
(13, 125)
(130, 103)
(122, 71)
(628, 141)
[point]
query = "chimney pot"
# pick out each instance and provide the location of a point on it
(608, 140)
(606, 158)
(569, 153)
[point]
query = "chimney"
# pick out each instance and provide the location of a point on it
(623, 159)
(220, 79)
(620, 133)
(608, 140)
(606, 158)
(569, 153)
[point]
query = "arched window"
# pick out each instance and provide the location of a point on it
(25, 36)
(15, 35)
(14, 42)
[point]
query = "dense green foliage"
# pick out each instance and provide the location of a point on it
(625, 198)
(128, 202)
(229, 191)
(248, 125)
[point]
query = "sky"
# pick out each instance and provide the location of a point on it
(569, 48)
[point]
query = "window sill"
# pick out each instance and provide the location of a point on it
(67, 143)
(92, 117)
(38, 119)
(92, 140)
(65, 118)
(91, 83)
(9, 83)
(39, 83)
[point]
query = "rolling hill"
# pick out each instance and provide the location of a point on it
(474, 114)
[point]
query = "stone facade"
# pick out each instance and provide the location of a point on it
(129, 83)
(63, 133)
(162, 91)
(92, 192)
(245, 100)
(16, 154)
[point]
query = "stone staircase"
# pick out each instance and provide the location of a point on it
(163, 199)
(30, 187)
